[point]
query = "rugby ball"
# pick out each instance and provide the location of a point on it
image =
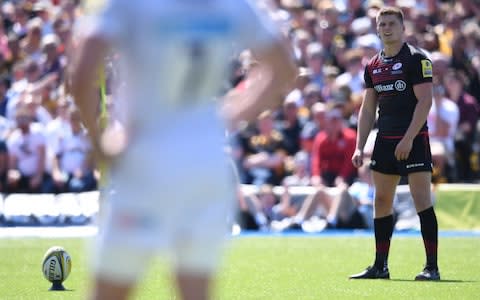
(56, 265)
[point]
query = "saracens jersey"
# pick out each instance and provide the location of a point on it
(393, 79)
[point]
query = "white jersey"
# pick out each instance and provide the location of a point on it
(175, 53)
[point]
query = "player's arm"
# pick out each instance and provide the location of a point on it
(421, 75)
(86, 62)
(423, 92)
(276, 71)
(366, 119)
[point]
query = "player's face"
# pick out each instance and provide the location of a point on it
(390, 29)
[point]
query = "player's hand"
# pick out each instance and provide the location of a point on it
(357, 158)
(402, 151)
(110, 144)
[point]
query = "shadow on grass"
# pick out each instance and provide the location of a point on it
(62, 291)
(433, 281)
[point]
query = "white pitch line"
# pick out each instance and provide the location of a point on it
(48, 232)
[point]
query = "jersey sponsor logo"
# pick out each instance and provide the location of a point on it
(383, 87)
(397, 66)
(426, 68)
(400, 85)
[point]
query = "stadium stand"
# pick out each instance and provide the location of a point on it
(331, 41)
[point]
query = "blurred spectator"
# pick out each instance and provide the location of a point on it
(301, 38)
(296, 95)
(290, 126)
(27, 156)
(440, 65)
(260, 206)
(313, 126)
(60, 124)
(27, 74)
(312, 94)
(50, 62)
(20, 20)
(15, 54)
(4, 86)
(73, 162)
(442, 124)
(265, 162)
(43, 9)
(289, 205)
(362, 192)
(461, 61)
(353, 76)
(332, 151)
(40, 114)
(331, 73)
(315, 61)
(5, 128)
(469, 113)
(31, 44)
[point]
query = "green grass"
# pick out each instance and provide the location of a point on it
(269, 268)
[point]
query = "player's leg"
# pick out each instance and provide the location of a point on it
(117, 270)
(197, 247)
(124, 247)
(196, 260)
(385, 186)
(199, 229)
(421, 192)
(105, 289)
(194, 286)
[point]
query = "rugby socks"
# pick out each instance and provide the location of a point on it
(429, 228)
(383, 228)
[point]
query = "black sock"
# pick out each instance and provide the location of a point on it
(429, 227)
(383, 228)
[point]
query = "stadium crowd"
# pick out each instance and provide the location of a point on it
(308, 142)
(44, 148)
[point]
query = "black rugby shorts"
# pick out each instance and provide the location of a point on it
(384, 161)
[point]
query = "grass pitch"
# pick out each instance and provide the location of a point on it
(311, 267)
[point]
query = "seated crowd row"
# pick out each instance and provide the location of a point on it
(44, 154)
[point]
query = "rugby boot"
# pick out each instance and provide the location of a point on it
(372, 272)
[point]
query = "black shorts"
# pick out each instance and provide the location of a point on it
(384, 161)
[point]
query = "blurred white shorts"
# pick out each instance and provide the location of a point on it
(170, 197)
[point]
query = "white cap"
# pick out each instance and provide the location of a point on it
(361, 25)
(369, 40)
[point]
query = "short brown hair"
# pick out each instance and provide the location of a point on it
(390, 10)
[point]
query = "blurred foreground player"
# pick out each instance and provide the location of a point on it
(172, 180)
(399, 81)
